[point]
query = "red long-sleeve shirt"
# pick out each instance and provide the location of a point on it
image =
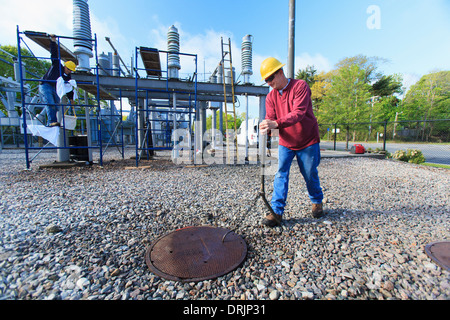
(298, 128)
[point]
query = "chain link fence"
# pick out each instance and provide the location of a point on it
(432, 137)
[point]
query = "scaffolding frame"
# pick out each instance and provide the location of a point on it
(96, 123)
(147, 109)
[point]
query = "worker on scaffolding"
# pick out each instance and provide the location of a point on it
(47, 86)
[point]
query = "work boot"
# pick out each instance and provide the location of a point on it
(317, 210)
(272, 220)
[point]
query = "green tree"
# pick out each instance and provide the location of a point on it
(387, 86)
(384, 104)
(429, 99)
(35, 68)
(308, 74)
(386, 108)
(355, 91)
(347, 98)
(368, 64)
(239, 119)
(319, 89)
(318, 83)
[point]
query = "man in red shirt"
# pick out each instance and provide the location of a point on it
(289, 109)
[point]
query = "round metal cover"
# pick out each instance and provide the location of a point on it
(439, 252)
(196, 253)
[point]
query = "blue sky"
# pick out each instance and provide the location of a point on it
(413, 35)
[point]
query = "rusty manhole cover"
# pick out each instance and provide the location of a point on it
(196, 253)
(439, 252)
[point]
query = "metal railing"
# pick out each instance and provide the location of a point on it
(432, 137)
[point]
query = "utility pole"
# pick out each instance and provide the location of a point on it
(291, 46)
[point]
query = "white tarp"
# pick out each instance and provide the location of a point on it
(51, 134)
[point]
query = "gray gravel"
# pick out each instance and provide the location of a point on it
(81, 233)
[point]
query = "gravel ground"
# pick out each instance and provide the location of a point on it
(82, 233)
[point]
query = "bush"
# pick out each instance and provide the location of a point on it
(400, 155)
(412, 156)
(415, 156)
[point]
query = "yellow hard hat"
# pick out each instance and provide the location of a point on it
(269, 66)
(70, 65)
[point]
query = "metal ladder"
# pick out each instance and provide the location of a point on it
(227, 53)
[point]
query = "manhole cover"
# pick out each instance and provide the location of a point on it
(440, 253)
(196, 253)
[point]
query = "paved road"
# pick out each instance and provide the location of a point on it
(434, 153)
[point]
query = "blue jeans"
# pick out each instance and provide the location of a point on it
(308, 160)
(51, 99)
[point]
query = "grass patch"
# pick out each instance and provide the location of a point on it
(436, 165)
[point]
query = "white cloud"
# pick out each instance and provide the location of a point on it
(207, 47)
(57, 17)
(300, 62)
(107, 28)
(318, 61)
(44, 16)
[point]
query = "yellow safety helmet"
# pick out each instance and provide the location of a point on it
(270, 66)
(70, 65)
